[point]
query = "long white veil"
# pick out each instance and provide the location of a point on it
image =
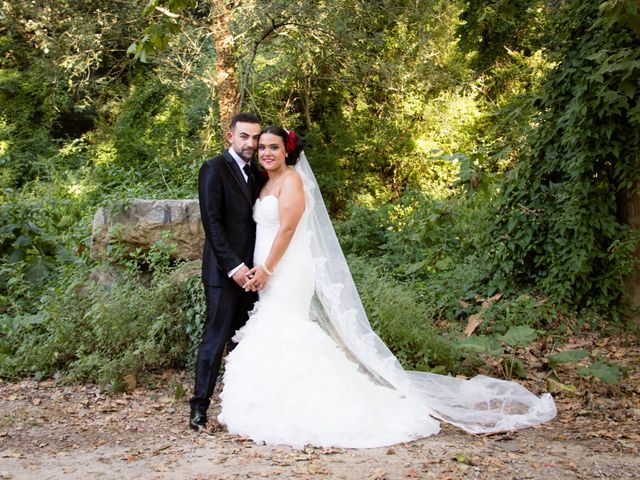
(479, 405)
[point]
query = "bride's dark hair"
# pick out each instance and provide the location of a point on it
(292, 142)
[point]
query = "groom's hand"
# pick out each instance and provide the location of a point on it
(257, 278)
(241, 276)
(250, 284)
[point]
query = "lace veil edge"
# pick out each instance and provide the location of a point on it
(478, 405)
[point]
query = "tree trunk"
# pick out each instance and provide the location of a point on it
(226, 65)
(629, 211)
(306, 100)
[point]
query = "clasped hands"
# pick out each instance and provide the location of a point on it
(251, 280)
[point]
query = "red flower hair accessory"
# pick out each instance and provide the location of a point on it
(290, 144)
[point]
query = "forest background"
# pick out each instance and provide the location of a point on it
(478, 159)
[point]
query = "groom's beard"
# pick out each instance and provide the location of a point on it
(247, 154)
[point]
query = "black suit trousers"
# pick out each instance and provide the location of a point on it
(227, 311)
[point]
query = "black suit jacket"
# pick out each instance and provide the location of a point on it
(226, 208)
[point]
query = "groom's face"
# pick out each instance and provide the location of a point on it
(243, 138)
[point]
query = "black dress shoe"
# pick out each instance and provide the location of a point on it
(197, 418)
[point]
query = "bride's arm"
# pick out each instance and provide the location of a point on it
(291, 208)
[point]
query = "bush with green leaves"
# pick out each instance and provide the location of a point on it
(151, 143)
(490, 31)
(432, 243)
(558, 226)
(87, 331)
(32, 249)
(404, 321)
(505, 347)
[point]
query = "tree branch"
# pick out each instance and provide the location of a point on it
(254, 52)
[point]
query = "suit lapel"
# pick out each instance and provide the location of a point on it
(237, 176)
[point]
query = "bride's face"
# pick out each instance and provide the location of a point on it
(271, 152)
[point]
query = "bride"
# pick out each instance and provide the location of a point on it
(308, 369)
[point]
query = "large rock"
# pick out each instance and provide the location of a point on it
(140, 223)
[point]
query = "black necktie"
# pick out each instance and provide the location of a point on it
(250, 180)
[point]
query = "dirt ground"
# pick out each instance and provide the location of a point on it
(80, 432)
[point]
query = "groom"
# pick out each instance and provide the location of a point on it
(228, 186)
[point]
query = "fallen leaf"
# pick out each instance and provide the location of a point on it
(130, 382)
(158, 467)
(492, 461)
(476, 318)
(472, 323)
(378, 474)
(314, 469)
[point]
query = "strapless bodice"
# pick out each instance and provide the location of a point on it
(266, 214)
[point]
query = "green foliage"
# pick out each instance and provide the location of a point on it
(157, 259)
(154, 146)
(32, 249)
(90, 332)
(490, 30)
(194, 308)
(57, 62)
(156, 36)
(558, 226)
(481, 344)
(364, 232)
(420, 233)
(108, 332)
(510, 44)
(519, 336)
(568, 356)
(22, 240)
(503, 346)
(412, 112)
(608, 372)
(508, 312)
(402, 321)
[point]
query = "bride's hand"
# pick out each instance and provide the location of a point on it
(258, 279)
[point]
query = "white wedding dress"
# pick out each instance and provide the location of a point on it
(309, 370)
(287, 382)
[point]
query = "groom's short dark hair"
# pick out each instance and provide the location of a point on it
(244, 117)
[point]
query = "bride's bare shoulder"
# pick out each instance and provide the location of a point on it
(292, 180)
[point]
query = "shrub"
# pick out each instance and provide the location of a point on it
(404, 321)
(91, 332)
(558, 225)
